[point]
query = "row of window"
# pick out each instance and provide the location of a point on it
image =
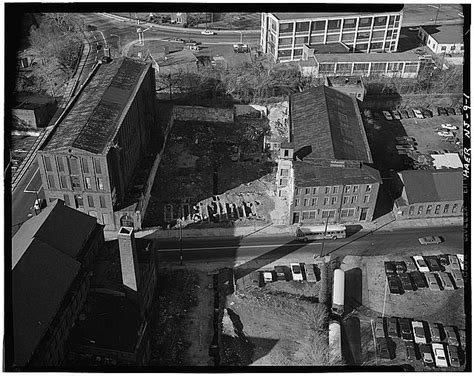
(91, 203)
(345, 213)
(366, 67)
(73, 182)
(334, 189)
(330, 200)
(429, 209)
(73, 165)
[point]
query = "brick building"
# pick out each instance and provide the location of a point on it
(428, 193)
(92, 157)
(324, 170)
(52, 256)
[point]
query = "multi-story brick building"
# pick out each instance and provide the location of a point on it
(428, 193)
(52, 256)
(324, 170)
(283, 35)
(91, 158)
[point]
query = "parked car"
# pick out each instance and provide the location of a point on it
(446, 281)
(426, 240)
(405, 329)
(462, 338)
(405, 138)
(426, 113)
(449, 126)
(442, 111)
(451, 336)
(445, 134)
(427, 355)
(296, 272)
(178, 40)
(439, 355)
(38, 204)
(394, 284)
(267, 276)
(418, 114)
(257, 279)
(404, 114)
(390, 268)
(418, 279)
(392, 327)
(310, 275)
(435, 333)
(207, 32)
(280, 273)
(458, 278)
(410, 113)
(450, 111)
(396, 114)
(443, 260)
(453, 356)
(418, 331)
(406, 281)
(410, 351)
(400, 266)
(432, 262)
(460, 257)
(387, 115)
(421, 264)
(432, 281)
(379, 330)
(454, 262)
(382, 348)
(411, 266)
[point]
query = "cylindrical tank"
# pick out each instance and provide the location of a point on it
(338, 292)
(335, 345)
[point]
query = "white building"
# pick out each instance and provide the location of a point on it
(443, 39)
(447, 160)
(284, 34)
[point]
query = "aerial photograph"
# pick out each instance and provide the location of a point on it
(214, 187)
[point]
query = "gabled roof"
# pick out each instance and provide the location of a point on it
(309, 175)
(329, 123)
(93, 120)
(432, 185)
(445, 34)
(40, 280)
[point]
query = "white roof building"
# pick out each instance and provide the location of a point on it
(447, 160)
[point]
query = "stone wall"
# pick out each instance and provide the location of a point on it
(199, 113)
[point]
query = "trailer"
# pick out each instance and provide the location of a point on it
(338, 293)
(335, 342)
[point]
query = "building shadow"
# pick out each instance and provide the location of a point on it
(351, 344)
(408, 39)
(352, 289)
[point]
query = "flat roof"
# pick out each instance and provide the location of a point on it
(446, 34)
(93, 120)
(315, 15)
(328, 48)
(447, 160)
(367, 58)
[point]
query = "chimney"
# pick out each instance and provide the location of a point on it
(128, 258)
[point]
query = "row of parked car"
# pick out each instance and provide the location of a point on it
(422, 272)
(421, 113)
(296, 272)
(418, 336)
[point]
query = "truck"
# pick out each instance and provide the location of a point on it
(338, 293)
(335, 343)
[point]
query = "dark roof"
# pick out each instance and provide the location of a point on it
(59, 226)
(314, 15)
(445, 34)
(369, 57)
(309, 175)
(40, 280)
(93, 120)
(330, 124)
(432, 185)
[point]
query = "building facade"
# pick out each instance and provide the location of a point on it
(443, 39)
(91, 157)
(283, 35)
(428, 194)
(352, 86)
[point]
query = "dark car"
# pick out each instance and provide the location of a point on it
(280, 273)
(392, 327)
(382, 349)
(450, 111)
(442, 111)
(411, 351)
(451, 336)
(400, 266)
(419, 279)
(426, 355)
(411, 266)
(426, 113)
(462, 338)
(443, 260)
(406, 282)
(390, 268)
(453, 356)
(405, 329)
(257, 279)
(410, 114)
(394, 284)
(433, 264)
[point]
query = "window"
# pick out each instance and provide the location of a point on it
(301, 40)
(67, 201)
(286, 28)
(347, 213)
(297, 202)
(411, 67)
(333, 38)
(63, 181)
(347, 189)
(284, 172)
(344, 68)
(85, 165)
(345, 199)
(327, 190)
(284, 181)
(312, 215)
(305, 202)
(362, 46)
(428, 209)
(455, 206)
(361, 67)
(326, 67)
(355, 189)
(379, 67)
(297, 191)
(75, 182)
(286, 153)
(412, 210)
(378, 35)
(333, 200)
(353, 199)
(395, 67)
(376, 46)
(318, 26)
(51, 183)
(420, 209)
(305, 215)
(307, 191)
(297, 52)
(368, 188)
(100, 184)
(389, 34)
(47, 164)
(60, 163)
(438, 207)
(365, 22)
(363, 36)
(391, 21)
(78, 201)
(302, 26)
(106, 218)
(315, 191)
(349, 24)
(446, 208)
(326, 200)
(334, 24)
(443, 48)
(314, 201)
(97, 166)
(348, 37)
(328, 213)
(366, 199)
(87, 183)
(90, 201)
(380, 21)
(102, 202)
(73, 166)
(315, 39)
(334, 190)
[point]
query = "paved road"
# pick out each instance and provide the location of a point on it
(270, 249)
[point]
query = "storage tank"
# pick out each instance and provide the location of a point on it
(338, 293)
(335, 344)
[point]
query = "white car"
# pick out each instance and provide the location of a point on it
(445, 134)
(460, 257)
(449, 126)
(426, 240)
(207, 32)
(296, 272)
(421, 264)
(396, 115)
(418, 114)
(418, 332)
(387, 115)
(267, 276)
(439, 355)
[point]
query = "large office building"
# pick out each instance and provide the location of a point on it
(93, 156)
(283, 35)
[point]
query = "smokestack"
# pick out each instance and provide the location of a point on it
(128, 258)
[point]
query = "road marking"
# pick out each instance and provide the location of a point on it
(234, 247)
(28, 191)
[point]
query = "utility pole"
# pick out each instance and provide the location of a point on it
(324, 237)
(437, 13)
(181, 237)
